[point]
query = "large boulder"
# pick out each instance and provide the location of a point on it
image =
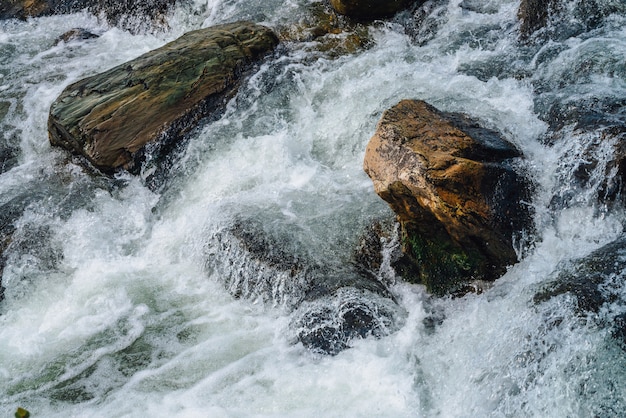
(369, 9)
(455, 191)
(142, 108)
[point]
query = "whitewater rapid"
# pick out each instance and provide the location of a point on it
(111, 308)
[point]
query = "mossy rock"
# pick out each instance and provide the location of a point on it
(22, 413)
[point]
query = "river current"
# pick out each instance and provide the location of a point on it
(117, 300)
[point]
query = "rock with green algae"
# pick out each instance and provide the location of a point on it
(455, 191)
(140, 109)
(22, 413)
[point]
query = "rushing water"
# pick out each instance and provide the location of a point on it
(117, 297)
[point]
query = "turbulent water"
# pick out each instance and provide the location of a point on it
(120, 298)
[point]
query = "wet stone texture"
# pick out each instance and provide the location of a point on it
(595, 285)
(456, 193)
(369, 9)
(128, 14)
(332, 304)
(140, 110)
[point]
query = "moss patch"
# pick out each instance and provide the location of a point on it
(441, 266)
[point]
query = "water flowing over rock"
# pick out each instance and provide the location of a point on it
(564, 20)
(369, 9)
(595, 284)
(76, 34)
(116, 12)
(326, 33)
(454, 188)
(141, 109)
(533, 15)
(332, 304)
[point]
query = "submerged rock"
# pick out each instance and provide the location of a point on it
(331, 304)
(76, 34)
(369, 9)
(596, 285)
(325, 32)
(597, 167)
(142, 109)
(455, 191)
(9, 213)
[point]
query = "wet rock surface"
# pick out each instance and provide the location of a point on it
(533, 15)
(369, 9)
(141, 110)
(331, 304)
(76, 34)
(129, 14)
(596, 284)
(325, 32)
(455, 190)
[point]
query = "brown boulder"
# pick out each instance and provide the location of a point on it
(369, 9)
(21, 9)
(533, 15)
(454, 190)
(142, 108)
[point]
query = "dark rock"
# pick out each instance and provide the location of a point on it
(332, 303)
(596, 284)
(369, 9)
(454, 189)
(124, 13)
(76, 34)
(21, 9)
(329, 325)
(533, 15)
(140, 110)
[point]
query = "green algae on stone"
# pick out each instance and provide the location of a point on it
(443, 266)
(22, 413)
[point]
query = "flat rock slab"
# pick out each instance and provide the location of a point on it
(138, 109)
